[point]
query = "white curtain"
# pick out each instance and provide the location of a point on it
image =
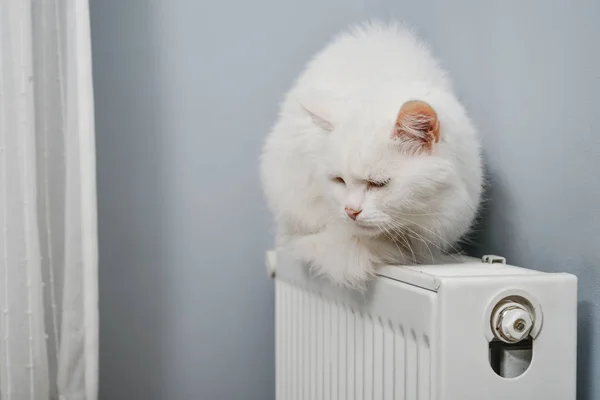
(48, 239)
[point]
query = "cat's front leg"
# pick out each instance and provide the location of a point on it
(336, 254)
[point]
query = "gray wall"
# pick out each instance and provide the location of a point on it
(185, 91)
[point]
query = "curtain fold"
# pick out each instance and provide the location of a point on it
(48, 239)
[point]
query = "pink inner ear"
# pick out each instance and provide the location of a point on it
(418, 122)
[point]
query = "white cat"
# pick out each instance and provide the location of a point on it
(372, 160)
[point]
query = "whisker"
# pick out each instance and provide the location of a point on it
(433, 233)
(407, 242)
(424, 240)
(389, 234)
(421, 239)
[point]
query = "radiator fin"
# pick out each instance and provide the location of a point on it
(327, 351)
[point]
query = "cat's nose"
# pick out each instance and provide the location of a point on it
(352, 213)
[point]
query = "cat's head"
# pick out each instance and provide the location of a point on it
(388, 166)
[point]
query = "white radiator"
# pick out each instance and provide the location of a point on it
(479, 330)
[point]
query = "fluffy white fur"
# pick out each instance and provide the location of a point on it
(338, 122)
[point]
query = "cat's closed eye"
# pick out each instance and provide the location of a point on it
(339, 179)
(377, 184)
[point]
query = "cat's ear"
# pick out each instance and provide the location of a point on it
(320, 108)
(417, 123)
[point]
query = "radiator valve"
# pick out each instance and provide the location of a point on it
(511, 321)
